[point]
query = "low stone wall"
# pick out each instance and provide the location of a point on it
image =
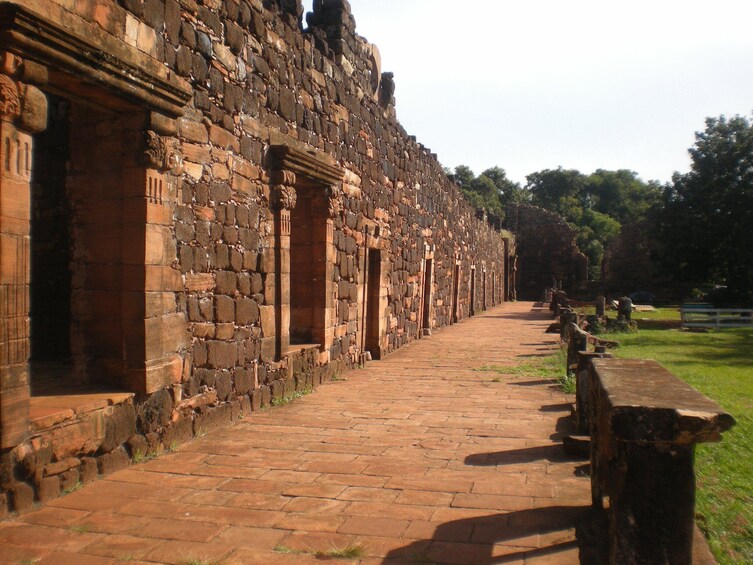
(644, 425)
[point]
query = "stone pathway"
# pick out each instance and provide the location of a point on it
(419, 458)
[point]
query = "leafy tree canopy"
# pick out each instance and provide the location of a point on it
(491, 190)
(706, 225)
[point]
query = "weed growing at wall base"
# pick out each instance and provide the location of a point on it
(287, 399)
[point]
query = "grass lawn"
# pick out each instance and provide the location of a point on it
(660, 313)
(720, 365)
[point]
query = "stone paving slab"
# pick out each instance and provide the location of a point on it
(418, 458)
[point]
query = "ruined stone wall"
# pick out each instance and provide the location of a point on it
(547, 251)
(220, 292)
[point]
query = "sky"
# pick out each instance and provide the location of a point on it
(528, 85)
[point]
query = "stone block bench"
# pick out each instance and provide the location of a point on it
(645, 423)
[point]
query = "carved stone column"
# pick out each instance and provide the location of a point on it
(23, 112)
(154, 337)
(283, 199)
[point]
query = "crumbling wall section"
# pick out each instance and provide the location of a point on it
(547, 251)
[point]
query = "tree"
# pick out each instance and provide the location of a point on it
(463, 176)
(509, 191)
(559, 190)
(706, 226)
(491, 190)
(621, 194)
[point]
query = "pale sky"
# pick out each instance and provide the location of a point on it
(535, 84)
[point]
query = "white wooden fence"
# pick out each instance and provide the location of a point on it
(716, 318)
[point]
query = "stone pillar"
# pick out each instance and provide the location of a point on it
(601, 306)
(153, 336)
(624, 309)
(329, 321)
(645, 423)
(583, 388)
(283, 197)
(23, 112)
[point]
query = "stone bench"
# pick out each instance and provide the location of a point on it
(645, 423)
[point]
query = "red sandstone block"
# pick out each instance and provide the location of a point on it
(173, 529)
(459, 553)
(109, 523)
(396, 511)
(365, 494)
(12, 553)
(48, 489)
(124, 546)
(21, 497)
(250, 537)
(308, 523)
(493, 502)
(318, 506)
(424, 498)
(68, 558)
(181, 552)
(318, 541)
(314, 490)
(370, 525)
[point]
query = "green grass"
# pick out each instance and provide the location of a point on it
(720, 365)
(287, 399)
(350, 551)
(661, 313)
(549, 367)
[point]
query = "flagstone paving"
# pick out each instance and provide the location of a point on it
(418, 458)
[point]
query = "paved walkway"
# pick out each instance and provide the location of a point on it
(419, 458)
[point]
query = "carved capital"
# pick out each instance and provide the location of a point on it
(9, 63)
(334, 202)
(162, 154)
(283, 197)
(282, 177)
(10, 99)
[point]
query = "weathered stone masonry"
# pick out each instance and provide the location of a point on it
(229, 211)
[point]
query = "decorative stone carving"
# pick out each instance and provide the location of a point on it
(162, 153)
(33, 117)
(10, 102)
(282, 177)
(283, 197)
(9, 63)
(333, 194)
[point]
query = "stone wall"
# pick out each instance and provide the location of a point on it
(547, 252)
(248, 218)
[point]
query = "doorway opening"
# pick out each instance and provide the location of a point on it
(472, 306)
(80, 267)
(50, 257)
(483, 290)
(455, 294)
(373, 315)
(308, 269)
(427, 296)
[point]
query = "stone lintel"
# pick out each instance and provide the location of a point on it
(289, 154)
(70, 47)
(648, 404)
